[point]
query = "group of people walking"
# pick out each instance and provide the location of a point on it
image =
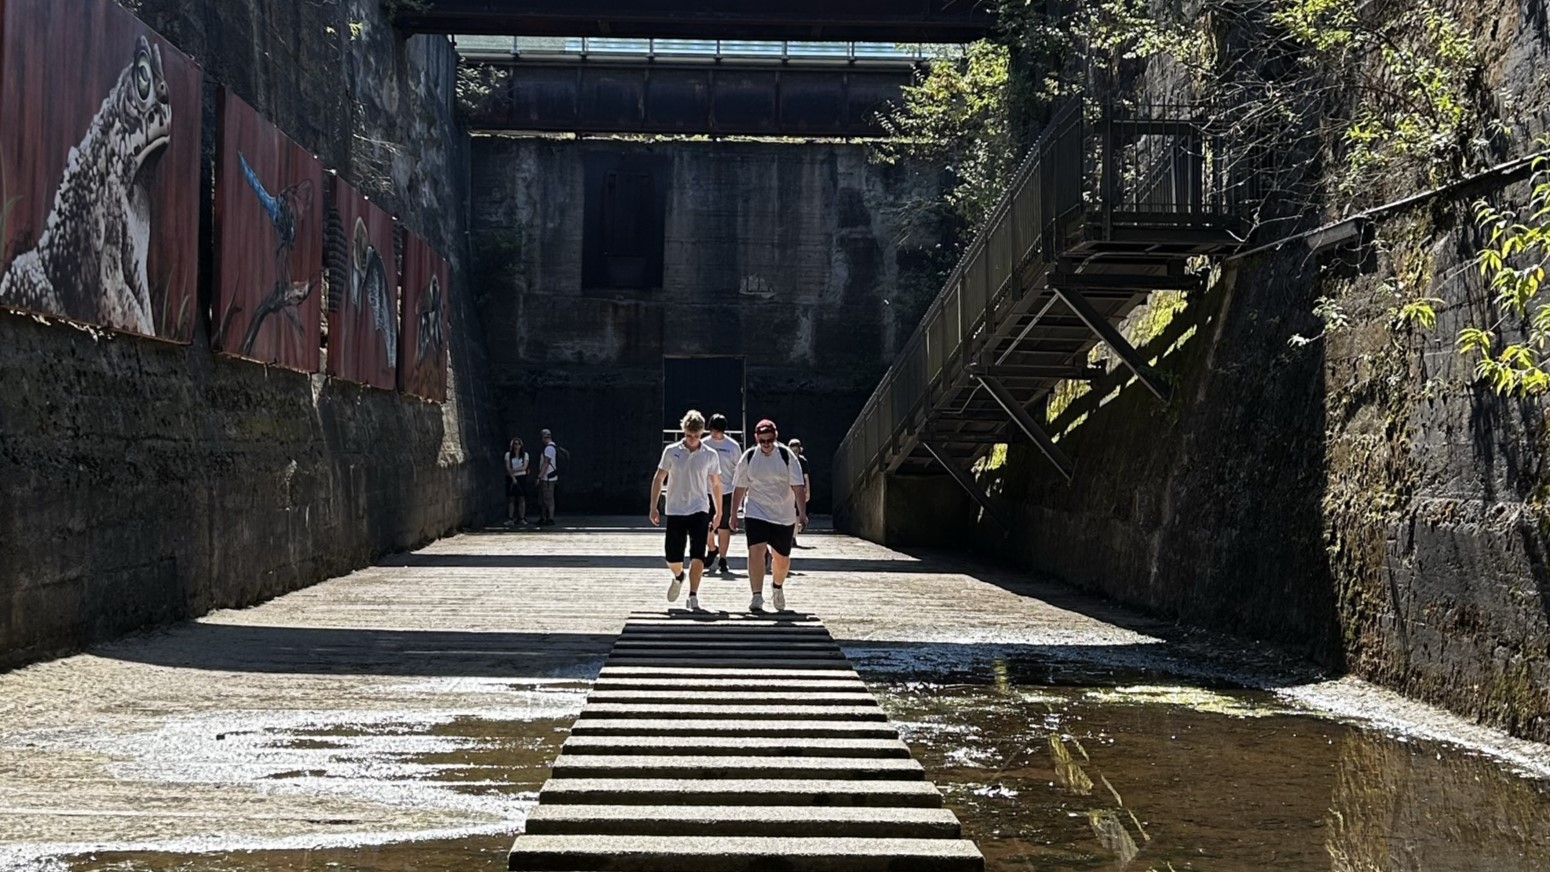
(710, 483)
(523, 478)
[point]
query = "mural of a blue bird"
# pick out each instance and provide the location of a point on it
(286, 210)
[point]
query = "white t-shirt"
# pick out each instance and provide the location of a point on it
(769, 479)
(553, 456)
(688, 472)
(729, 451)
(516, 464)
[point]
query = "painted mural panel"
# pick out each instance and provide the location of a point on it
(422, 356)
(363, 293)
(99, 168)
(268, 242)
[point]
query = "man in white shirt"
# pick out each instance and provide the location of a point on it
(689, 468)
(548, 476)
(769, 487)
(728, 450)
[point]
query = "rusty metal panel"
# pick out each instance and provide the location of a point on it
(746, 100)
(111, 240)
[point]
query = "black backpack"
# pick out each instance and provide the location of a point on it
(785, 454)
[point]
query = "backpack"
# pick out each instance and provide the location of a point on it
(785, 454)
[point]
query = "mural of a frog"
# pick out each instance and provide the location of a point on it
(90, 261)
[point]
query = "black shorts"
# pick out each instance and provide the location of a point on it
(777, 536)
(690, 531)
(516, 488)
(726, 512)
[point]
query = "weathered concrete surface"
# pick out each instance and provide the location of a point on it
(357, 711)
(142, 482)
(794, 255)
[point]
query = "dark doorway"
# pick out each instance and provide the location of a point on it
(624, 221)
(710, 384)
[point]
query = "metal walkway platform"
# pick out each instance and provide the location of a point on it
(1111, 204)
(720, 742)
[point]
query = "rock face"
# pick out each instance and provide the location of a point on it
(1358, 497)
(793, 256)
(142, 482)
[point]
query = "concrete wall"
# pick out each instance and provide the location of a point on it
(792, 255)
(909, 511)
(142, 482)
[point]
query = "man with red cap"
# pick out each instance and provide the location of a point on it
(769, 487)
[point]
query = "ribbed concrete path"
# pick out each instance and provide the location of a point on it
(719, 742)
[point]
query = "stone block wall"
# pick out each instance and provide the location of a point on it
(143, 482)
(795, 256)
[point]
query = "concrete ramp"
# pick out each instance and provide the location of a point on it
(729, 742)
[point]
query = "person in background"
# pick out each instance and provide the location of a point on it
(516, 484)
(720, 536)
(807, 484)
(548, 477)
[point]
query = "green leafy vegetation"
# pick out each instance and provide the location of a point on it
(1513, 260)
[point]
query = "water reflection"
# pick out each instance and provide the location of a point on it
(1062, 764)
(1126, 773)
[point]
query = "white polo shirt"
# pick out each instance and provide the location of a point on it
(688, 472)
(769, 479)
(729, 451)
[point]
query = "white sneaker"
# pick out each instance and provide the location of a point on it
(757, 604)
(672, 589)
(779, 599)
(693, 603)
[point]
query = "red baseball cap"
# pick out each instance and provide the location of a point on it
(765, 425)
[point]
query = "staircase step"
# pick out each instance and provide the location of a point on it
(731, 727)
(677, 660)
(759, 669)
(683, 711)
(741, 854)
(743, 820)
(623, 645)
(715, 766)
(791, 746)
(721, 697)
(740, 791)
(623, 652)
(778, 685)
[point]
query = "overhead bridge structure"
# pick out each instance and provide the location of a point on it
(937, 21)
(1109, 205)
(689, 95)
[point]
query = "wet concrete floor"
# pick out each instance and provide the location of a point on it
(403, 717)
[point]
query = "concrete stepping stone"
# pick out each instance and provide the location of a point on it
(741, 697)
(741, 791)
(789, 746)
(719, 741)
(685, 711)
(593, 726)
(743, 854)
(701, 767)
(778, 685)
(743, 820)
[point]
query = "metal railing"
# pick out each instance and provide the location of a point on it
(1093, 162)
(775, 50)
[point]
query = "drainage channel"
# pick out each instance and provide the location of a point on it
(720, 743)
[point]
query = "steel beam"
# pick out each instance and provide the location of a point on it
(1025, 422)
(1071, 373)
(710, 97)
(907, 21)
(1117, 343)
(969, 485)
(1132, 282)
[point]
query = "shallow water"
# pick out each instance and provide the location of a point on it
(1062, 763)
